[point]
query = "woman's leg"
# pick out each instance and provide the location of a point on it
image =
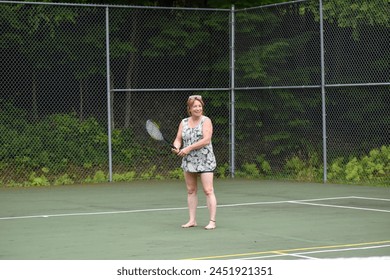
(192, 197)
(208, 188)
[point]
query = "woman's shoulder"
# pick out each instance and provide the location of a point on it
(205, 118)
(185, 121)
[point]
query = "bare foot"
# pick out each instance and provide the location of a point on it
(211, 225)
(189, 224)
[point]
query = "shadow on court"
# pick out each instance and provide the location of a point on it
(141, 221)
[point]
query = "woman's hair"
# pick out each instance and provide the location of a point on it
(191, 101)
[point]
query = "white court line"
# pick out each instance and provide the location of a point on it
(284, 201)
(371, 198)
(92, 213)
(346, 249)
(302, 256)
(163, 209)
(278, 254)
(339, 206)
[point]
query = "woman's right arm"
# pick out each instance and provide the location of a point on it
(178, 140)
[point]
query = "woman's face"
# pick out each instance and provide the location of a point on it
(196, 109)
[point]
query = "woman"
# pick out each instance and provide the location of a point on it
(194, 136)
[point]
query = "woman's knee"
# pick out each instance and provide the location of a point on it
(191, 191)
(208, 191)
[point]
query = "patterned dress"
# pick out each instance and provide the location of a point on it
(202, 160)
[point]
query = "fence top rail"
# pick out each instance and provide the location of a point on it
(114, 6)
(167, 89)
(246, 88)
(149, 7)
(271, 5)
(314, 86)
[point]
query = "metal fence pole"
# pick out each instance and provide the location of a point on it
(108, 95)
(323, 92)
(232, 97)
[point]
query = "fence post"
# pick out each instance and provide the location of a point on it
(232, 97)
(108, 95)
(323, 95)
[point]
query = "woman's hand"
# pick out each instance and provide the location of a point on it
(183, 152)
(175, 150)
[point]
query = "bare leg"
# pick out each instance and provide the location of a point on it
(192, 198)
(208, 188)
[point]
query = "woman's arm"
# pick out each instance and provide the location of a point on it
(178, 140)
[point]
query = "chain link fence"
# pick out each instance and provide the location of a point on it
(64, 120)
(279, 63)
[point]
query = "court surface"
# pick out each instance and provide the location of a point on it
(268, 220)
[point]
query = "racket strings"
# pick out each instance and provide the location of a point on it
(154, 131)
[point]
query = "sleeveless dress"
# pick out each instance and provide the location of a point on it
(202, 160)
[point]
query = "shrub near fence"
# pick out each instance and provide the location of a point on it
(67, 150)
(58, 138)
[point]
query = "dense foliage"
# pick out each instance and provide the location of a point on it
(67, 151)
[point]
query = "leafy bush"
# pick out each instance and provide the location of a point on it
(304, 169)
(265, 167)
(222, 171)
(371, 168)
(66, 137)
(13, 184)
(64, 180)
(99, 177)
(248, 170)
(149, 174)
(62, 149)
(58, 145)
(353, 170)
(176, 174)
(336, 169)
(55, 142)
(260, 169)
(125, 177)
(37, 181)
(376, 165)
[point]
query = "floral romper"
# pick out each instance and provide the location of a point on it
(202, 160)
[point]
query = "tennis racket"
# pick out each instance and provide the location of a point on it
(154, 132)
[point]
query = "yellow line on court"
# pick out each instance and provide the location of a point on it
(284, 251)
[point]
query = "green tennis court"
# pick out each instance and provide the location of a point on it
(141, 221)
